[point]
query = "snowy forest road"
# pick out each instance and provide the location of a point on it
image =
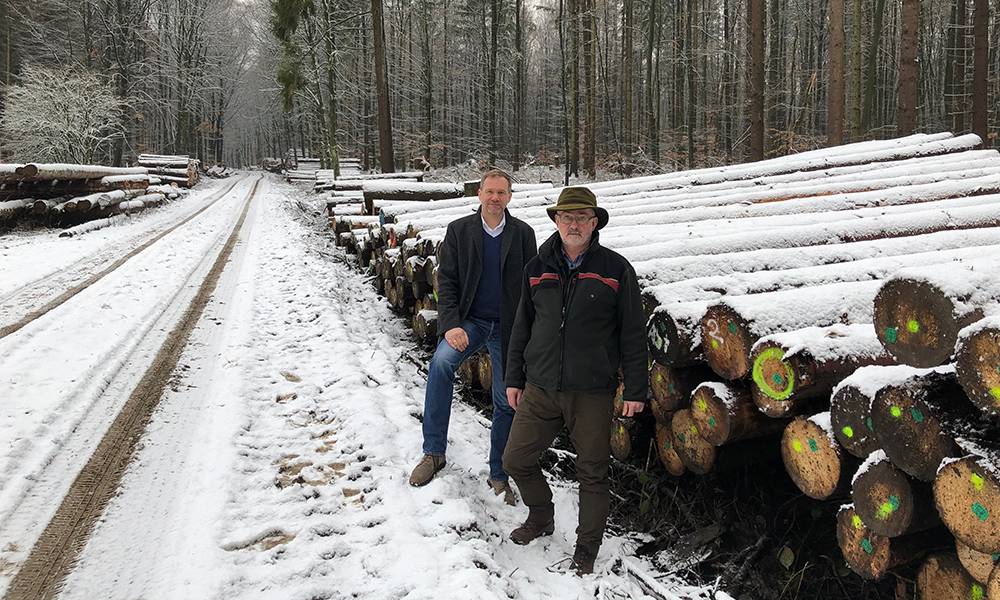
(116, 342)
(36, 297)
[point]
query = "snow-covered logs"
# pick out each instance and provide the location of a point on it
(182, 170)
(919, 312)
(795, 250)
(977, 363)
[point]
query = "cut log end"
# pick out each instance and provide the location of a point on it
(978, 367)
(911, 435)
(852, 422)
(915, 322)
(774, 380)
(668, 345)
(666, 450)
(813, 461)
(621, 439)
(993, 585)
(712, 415)
(697, 454)
(867, 553)
(979, 564)
(942, 576)
(967, 495)
(726, 342)
(884, 499)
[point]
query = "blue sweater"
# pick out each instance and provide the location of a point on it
(486, 303)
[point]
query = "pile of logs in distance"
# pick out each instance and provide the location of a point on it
(788, 319)
(67, 195)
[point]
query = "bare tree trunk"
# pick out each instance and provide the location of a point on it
(652, 130)
(628, 18)
(908, 67)
(428, 80)
(574, 86)
(980, 70)
(857, 69)
(386, 159)
(492, 92)
(868, 116)
(691, 98)
(590, 87)
(755, 90)
(957, 88)
(835, 97)
(518, 86)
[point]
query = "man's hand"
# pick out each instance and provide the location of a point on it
(514, 396)
(630, 409)
(457, 338)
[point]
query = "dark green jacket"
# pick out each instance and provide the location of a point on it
(574, 330)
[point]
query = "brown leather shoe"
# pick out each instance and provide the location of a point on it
(425, 470)
(583, 560)
(531, 529)
(503, 487)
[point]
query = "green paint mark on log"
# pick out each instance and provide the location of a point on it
(711, 422)
(848, 431)
(682, 437)
(731, 327)
(857, 522)
(977, 592)
(870, 424)
(701, 405)
(890, 335)
(913, 326)
(896, 411)
(797, 445)
(981, 512)
(866, 545)
(715, 344)
(813, 446)
(779, 386)
(917, 415)
(887, 508)
(977, 481)
(995, 392)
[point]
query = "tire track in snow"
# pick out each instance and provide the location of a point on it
(54, 553)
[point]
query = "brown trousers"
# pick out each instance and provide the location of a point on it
(539, 417)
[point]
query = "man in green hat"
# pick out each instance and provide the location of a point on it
(578, 322)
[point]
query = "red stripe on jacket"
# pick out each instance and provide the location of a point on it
(611, 283)
(543, 277)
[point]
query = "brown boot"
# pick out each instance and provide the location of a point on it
(583, 560)
(503, 487)
(533, 527)
(425, 470)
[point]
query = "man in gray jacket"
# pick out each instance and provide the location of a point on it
(479, 286)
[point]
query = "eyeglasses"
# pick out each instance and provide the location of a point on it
(568, 219)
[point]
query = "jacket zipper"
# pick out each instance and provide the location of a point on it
(568, 298)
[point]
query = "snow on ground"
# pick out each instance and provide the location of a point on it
(277, 466)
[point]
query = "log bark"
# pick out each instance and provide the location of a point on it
(700, 457)
(725, 413)
(870, 555)
(671, 388)
(943, 576)
(977, 363)
(630, 437)
(666, 450)
(791, 369)
(967, 496)
(908, 421)
(731, 328)
(889, 501)
(850, 412)
(815, 462)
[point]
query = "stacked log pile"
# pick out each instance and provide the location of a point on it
(71, 195)
(182, 170)
(837, 308)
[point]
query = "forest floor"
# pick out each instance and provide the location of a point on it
(275, 463)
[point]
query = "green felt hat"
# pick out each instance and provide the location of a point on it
(578, 198)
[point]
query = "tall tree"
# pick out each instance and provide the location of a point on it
(385, 156)
(518, 85)
(755, 90)
(835, 94)
(871, 64)
(589, 47)
(857, 69)
(492, 90)
(907, 112)
(626, 80)
(652, 130)
(980, 70)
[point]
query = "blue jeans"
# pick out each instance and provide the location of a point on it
(441, 389)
